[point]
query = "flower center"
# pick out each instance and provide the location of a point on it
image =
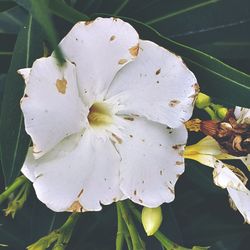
(100, 115)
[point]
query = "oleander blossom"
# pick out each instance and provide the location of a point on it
(108, 124)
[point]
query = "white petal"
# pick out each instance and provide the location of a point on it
(25, 73)
(78, 174)
(51, 105)
(99, 49)
(157, 85)
(151, 160)
(28, 168)
(242, 115)
(225, 178)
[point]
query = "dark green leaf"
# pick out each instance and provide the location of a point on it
(60, 8)
(12, 19)
(39, 10)
(13, 140)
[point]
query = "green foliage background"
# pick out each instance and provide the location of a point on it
(199, 31)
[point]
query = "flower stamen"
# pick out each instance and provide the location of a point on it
(100, 115)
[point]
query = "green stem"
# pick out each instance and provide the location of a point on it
(124, 231)
(211, 113)
(167, 243)
(120, 230)
(16, 184)
(61, 236)
(136, 240)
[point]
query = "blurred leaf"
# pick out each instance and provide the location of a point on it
(40, 12)
(12, 19)
(60, 8)
(2, 81)
(13, 140)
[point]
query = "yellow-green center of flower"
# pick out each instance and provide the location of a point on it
(100, 115)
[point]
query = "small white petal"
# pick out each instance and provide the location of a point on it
(151, 160)
(51, 105)
(99, 49)
(225, 178)
(242, 115)
(157, 85)
(25, 73)
(80, 173)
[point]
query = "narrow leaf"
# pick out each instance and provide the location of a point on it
(13, 140)
(40, 12)
(11, 20)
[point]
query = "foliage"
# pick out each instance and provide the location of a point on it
(212, 36)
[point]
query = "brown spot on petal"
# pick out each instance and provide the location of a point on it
(61, 85)
(135, 192)
(140, 200)
(25, 95)
(131, 136)
(76, 207)
(173, 103)
(40, 175)
(88, 22)
(176, 146)
(134, 50)
(112, 38)
(81, 192)
(128, 118)
(178, 163)
(117, 139)
(196, 88)
(122, 61)
(171, 190)
(158, 72)
(160, 172)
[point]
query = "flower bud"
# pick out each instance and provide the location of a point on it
(202, 101)
(221, 112)
(151, 219)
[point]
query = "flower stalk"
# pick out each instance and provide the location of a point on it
(215, 111)
(137, 242)
(15, 185)
(18, 202)
(60, 236)
(122, 232)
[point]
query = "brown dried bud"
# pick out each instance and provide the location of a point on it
(233, 137)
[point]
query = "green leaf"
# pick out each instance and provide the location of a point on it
(40, 12)
(12, 19)
(60, 8)
(13, 140)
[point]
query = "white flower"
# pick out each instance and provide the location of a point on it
(108, 125)
(208, 152)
